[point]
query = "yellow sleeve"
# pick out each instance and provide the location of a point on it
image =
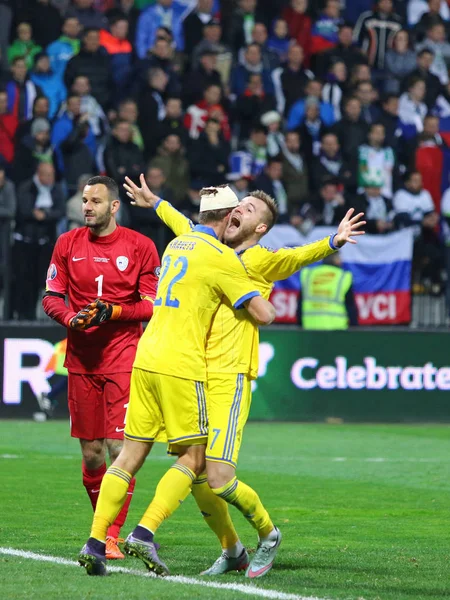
(174, 220)
(232, 279)
(276, 265)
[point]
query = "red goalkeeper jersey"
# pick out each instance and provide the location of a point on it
(120, 268)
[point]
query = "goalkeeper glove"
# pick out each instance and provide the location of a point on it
(84, 318)
(104, 311)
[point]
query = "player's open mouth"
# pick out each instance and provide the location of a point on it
(234, 222)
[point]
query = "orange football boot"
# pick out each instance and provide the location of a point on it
(112, 549)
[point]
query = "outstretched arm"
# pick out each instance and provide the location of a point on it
(145, 198)
(282, 263)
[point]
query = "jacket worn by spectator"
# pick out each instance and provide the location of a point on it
(208, 161)
(157, 16)
(240, 76)
(351, 135)
(197, 115)
(176, 170)
(45, 20)
(21, 96)
(374, 32)
(349, 55)
(249, 108)
(26, 50)
(61, 51)
(433, 86)
(193, 26)
(410, 208)
(295, 178)
(378, 212)
(376, 164)
(151, 112)
(120, 53)
(97, 68)
(195, 83)
(289, 86)
(52, 86)
(29, 154)
(297, 114)
(275, 189)
(154, 62)
(238, 33)
(90, 18)
(8, 128)
(299, 28)
(7, 200)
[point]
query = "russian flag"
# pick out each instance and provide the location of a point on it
(381, 268)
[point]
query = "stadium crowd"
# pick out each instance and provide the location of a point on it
(324, 106)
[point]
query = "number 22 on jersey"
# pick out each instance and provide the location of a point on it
(177, 271)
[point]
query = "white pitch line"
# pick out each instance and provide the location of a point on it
(249, 590)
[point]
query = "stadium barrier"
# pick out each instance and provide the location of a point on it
(363, 375)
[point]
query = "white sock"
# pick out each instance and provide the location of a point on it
(271, 537)
(236, 550)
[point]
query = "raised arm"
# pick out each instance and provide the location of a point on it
(282, 263)
(145, 198)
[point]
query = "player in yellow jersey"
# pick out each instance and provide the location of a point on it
(168, 396)
(232, 362)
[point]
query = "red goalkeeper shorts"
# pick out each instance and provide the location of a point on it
(97, 405)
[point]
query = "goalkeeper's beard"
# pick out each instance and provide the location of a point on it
(98, 223)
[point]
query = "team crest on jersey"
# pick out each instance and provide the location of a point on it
(122, 263)
(52, 272)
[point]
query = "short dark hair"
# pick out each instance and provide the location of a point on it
(110, 184)
(414, 80)
(409, 174)
(425, 51)
(16, 59)
(271, 205)
(90, 30)
(386, 97)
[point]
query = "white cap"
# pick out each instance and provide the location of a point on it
(217, 198)
(270, 117)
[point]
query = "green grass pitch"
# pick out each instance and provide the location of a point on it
(364, 512)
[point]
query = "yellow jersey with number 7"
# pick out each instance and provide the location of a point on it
(197, 273)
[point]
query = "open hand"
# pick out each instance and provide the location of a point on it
(349, 227)
(140, 196)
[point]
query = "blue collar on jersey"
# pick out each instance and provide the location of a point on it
(245, 249)
(205, 229)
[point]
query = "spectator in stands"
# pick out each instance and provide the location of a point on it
(87, 15)
(328, 205)
(49, 82)
(431, 16)
(194, 24)
(128, 9)
(74, 143)
(275, 137)
(378, 211)
(271, 182)
(173, 122)
(89, 105)
(414, 207)
(197, 80)
(252, 104)
(211, 41)
(8, 127)
(116, 44)
(160, 57)
(279, 42)
(152, 109)
(41, 108)
(388, 117)
(208, 155)
(430, 136)
(256, 146)
(400, 62)
(436, 42)
(270, 58)
(66, 46)
(174, 165)
(412, 108)
(24, 46)
(239, 32)
(21, 91)
(295, 171)
(169, 13)
(32, 150)
(374, 32)
(128, 111)
(122, 157)
(351, 130)
(298, 110)
(93, 62)
(366, 94)
(252, 63)
(311, 129)
(324, 33)
(45, 20)
(74, 210)
(290, 81)
(40, 205)
(147, 221)
(376, 162)
(433, 85)
(198, 114)
(329, 164)
(333, 90)
(419, 8)
(361, 72)
(8, 202)
(240, 185)
(344, 51)
(299, 22)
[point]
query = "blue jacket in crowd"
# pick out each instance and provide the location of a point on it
(156, 16)
(53, 87)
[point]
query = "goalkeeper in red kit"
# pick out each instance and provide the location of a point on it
(109, 274)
